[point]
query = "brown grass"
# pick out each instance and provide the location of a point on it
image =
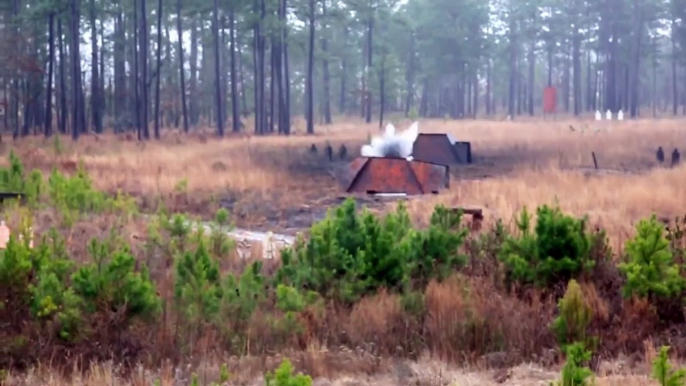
(350, 370)
(519, 164)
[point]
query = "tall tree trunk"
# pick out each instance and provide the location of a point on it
(182, 75)
(344, 72)
(489, 81)
(382, 87)
(550, 65)
(272, 76)
(256, 69)
(241, 76)
(675, 89)
(325, 67)
(159, 68)
(103, 58)
(277, 46)
(194, 97)
(76, 69)
(15, 80)
(136, 71)
(409, 77)
(64, 111)
(532, 74)
(143, 67)
(576, 70)
(512, 92)
(566, 76)
(51, 62)
(635, 63)
(236, 123)
(589, 85)
(95, 79)
(217, 70)
(261, 56)
(370, 40)
(310, 72)
(287, 76)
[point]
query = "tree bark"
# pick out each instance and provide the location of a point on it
(95, 77)
(64, 111)
(217, 72)
(51, 62)
(182, 74)
(143, 67)
(236, 123)
(325, 68)
(193, 102)
(76, 70)
(158, 76)
(310, 72)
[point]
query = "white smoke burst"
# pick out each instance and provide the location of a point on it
(392, 145)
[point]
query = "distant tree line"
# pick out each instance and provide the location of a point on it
(270, 60)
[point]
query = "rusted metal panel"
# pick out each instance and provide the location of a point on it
(441, 149)
(397, 175)
(463, 151)
(346, 177)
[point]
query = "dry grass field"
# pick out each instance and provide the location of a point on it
(356, 371)
(274, 183)
(517, 164)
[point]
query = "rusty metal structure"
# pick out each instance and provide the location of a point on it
(441, 149)
(395, 175)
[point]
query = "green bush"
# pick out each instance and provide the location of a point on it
(13, 179)
(76, 193)
(574, 317)
(240, 298)
(112, 283)
(575, 372)
(43, 283)
(71, 195)
(557, 250)
(220, 241)
(197, 288)
(283, 376)
(650, 268)
(53, 299)
(663, 373)
(349, 254)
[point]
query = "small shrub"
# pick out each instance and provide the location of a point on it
(557, 249)
(55, 302)
(194, 380)
(283, 376)
(292, 303)
(221, 243)
(574, 317)
(663, 373)
(650, 269)
(114, 284)
(13, 179)
(240, 298)
(575, 372)
(224, 374)
(197, 288)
